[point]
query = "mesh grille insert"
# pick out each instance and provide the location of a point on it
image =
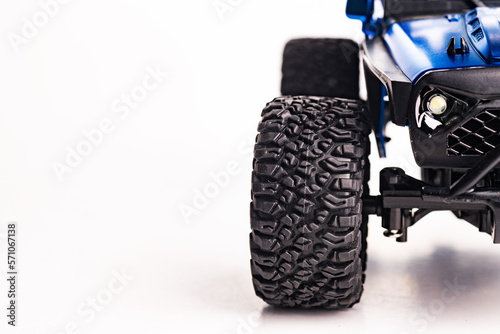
(477, 136)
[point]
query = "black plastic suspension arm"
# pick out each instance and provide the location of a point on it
(401, 194)
(476, 173)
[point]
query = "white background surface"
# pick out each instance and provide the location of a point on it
(119, 209)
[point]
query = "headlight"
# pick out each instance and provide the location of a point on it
(437, 109)
(437, 104)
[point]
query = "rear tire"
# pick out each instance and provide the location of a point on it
(307, 238)
(321, 67)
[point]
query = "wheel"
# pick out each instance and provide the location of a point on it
(321, 67)
(306, 211)
(364, 222)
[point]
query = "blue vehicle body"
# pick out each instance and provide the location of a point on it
(419, 46)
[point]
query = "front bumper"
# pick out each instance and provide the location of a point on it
(476, 132)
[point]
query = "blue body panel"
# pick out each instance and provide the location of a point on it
(483, 28)
(419, 46)
(363, 10)
(359, 9)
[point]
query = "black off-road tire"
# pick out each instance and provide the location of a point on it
(321, 67)
(364, 223)
(307, 238)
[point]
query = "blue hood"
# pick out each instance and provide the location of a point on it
(421, 45)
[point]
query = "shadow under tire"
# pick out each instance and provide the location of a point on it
(306, 212)
(321, 67)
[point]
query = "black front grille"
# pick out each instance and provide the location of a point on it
(477, 136)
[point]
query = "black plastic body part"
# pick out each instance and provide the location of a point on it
(459, 181)
(479, 84)
(405, 9)
(381, 69)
